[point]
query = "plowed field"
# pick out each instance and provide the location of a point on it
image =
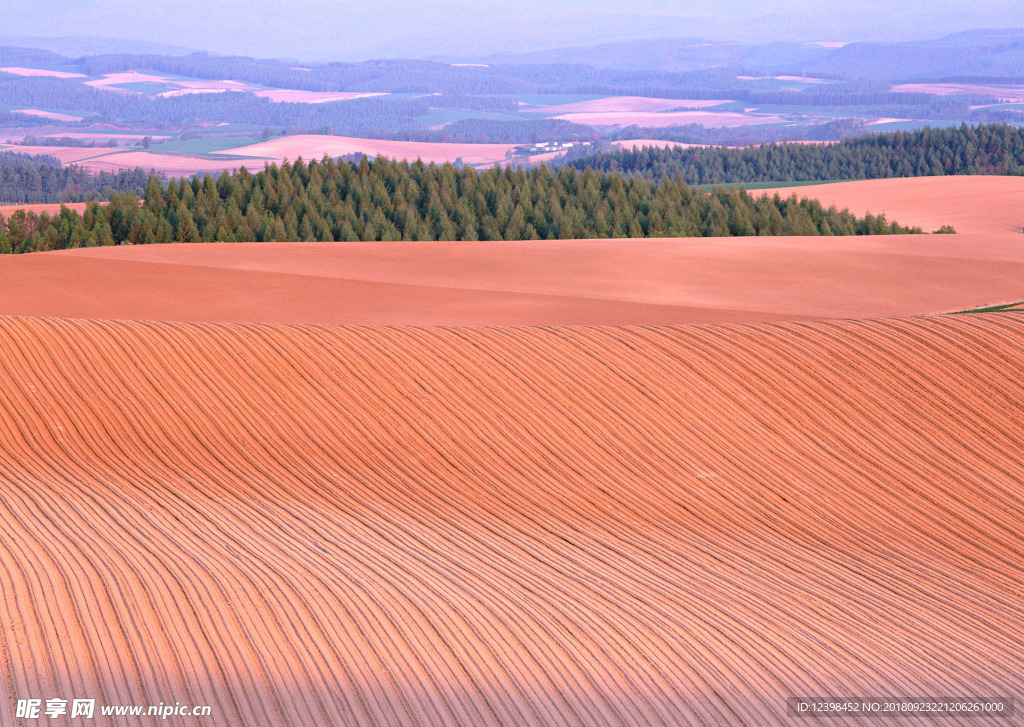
(549, 526)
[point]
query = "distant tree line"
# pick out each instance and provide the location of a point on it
(89, 143)
(28, 179)
(9, 119)
(732, 136)
(420, 76)
(368, 117)
(387, 200)
(442, 85)
(473, 103)
(30, 57)
(984, 149)
(487, 131)
(392, 76)
(355, 116)
(997, 116)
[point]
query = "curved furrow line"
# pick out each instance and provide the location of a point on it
(912, 458)
(156, 563)
(512, 526)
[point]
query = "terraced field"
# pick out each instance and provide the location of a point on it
(305, 525)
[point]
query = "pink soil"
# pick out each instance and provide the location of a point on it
(636, 526)
(801, 79)
(315, 147)
(6, 210)
(47, 114)
(627, 103)
(175, 165)
(215, 85)
(66, 154)
(280, 94)
(40, 72)
(114, 79)
(189, 91)
(104, 137)
(695, 280)
(971, 204)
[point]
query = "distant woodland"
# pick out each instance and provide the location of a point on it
(419, 87)
(983, 149)
(38, 179)
(385, 200)
(358, 116)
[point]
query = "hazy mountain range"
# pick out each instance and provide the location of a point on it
(315, 30)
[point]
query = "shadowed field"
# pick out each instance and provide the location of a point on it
(425, 526)
(540, 282)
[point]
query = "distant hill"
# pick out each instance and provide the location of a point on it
(667, 54)
(993, 53)
(983, 52)
(83, 46)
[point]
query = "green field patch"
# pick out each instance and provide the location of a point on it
(449, 116)
(206, 145)
(1014, 307)
(773, 185)
(235, 129)
(535, 100)
(791, 110)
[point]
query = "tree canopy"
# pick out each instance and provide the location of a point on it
(387, 200)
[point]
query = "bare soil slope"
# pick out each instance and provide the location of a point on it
(313, 146)
(647, 281)
(612, 526)
(968, 203)
(628, 103)
(169, 163)
(6, 210)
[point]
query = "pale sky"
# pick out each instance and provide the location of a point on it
(345, 30)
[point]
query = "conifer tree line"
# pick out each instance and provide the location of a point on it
(38, 178)
(982, 149)
(387, 200)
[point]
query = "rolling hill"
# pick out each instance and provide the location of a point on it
(450, 526)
